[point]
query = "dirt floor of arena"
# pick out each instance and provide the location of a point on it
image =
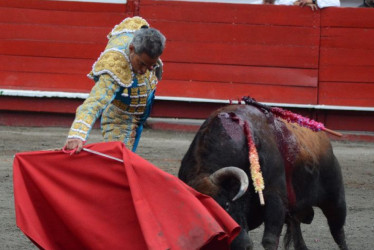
(165, 149)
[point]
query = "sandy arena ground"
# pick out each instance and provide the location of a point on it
(165, 149)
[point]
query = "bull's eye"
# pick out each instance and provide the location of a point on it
(227, 206)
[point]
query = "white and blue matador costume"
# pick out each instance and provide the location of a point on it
(122, 97)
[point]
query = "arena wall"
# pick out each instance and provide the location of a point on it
(317, 63)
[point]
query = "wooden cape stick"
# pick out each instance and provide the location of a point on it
(101, 154)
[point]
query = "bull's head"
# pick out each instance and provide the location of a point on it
(218, 178)
(216, 185)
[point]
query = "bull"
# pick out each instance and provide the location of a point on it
(298, 166)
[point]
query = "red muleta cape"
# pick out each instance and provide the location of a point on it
(86, 201)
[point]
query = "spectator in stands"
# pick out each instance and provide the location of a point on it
(125, 75)
(367, 4)
(313, 4)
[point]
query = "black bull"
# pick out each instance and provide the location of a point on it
(299, 169)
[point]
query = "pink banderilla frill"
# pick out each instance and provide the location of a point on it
(291, 117)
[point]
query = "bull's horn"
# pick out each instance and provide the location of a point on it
(221, 174)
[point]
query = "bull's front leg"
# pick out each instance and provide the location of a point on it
(274, 218)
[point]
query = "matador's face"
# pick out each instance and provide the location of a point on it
(141, 62)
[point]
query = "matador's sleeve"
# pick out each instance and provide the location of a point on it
(102, 94)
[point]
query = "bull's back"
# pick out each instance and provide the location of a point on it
(312, 147)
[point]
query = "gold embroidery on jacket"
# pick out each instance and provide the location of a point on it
(128, 25)
(114, 63)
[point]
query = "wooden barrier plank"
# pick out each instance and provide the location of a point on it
(45, 81)
(346, 94)
(228, 13)
(239, 33)
(36, 119)
(53, 105)
(56, 17)
(65, 5)
(259, 55)
(241, 54)
(342, 38)
(53, 33)
(344, 73)
(195, 89)
(214, 90)
(173, 71)
(45, 64)
(347, 57)
(349, 120)
(347, 17)
(240, 74)
(51, 49)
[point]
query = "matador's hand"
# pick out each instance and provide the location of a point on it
(73, 144)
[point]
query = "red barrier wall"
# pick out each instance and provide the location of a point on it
(277, 54)
(49, 45)
(346, 68)
(224, 51)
